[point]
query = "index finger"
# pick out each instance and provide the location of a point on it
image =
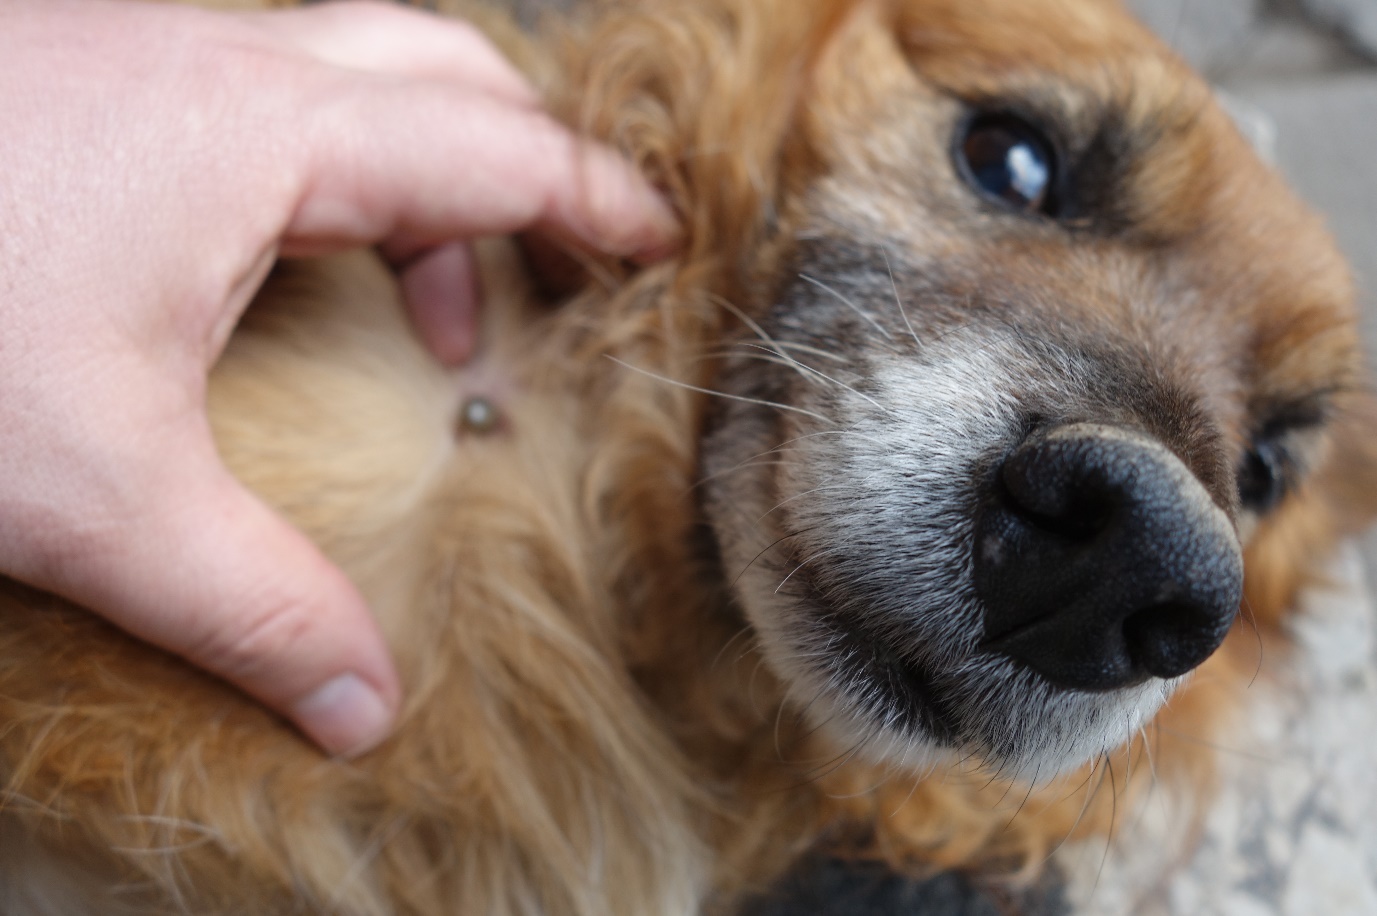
(427, 162)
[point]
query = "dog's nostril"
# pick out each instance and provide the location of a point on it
(1102, 561)
(1168, 640)
(1075, 516)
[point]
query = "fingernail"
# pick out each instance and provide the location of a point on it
(344, 715)
(668, 228)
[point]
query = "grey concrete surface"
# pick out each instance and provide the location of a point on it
(1355, 19)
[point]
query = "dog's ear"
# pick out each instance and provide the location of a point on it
(1291, 546)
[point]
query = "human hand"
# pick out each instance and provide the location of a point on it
(156, 161)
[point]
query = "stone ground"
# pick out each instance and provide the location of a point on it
(1295, 832)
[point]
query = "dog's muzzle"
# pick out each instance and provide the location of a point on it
(1102, 561)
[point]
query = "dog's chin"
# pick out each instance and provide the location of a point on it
(878, 695)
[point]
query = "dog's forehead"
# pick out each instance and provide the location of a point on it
(1050, 33)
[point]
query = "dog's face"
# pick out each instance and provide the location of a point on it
(1051, 341)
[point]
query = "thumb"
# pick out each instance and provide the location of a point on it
(209, 572)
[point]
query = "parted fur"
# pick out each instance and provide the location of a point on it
(589, 727)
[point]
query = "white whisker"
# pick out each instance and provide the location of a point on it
(897, 299)
(814, 351)
(810, 373)
(830, 488)
(809, 559)
(849, 304)
(719, 394)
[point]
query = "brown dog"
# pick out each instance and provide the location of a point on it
(1031, 376)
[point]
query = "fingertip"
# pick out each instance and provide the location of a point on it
(346, 716)
(215, 575)
(616, 210)
(353, 705)
(443, 297)
(664, 237)
(315, 653)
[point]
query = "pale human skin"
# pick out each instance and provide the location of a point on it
(156, 160)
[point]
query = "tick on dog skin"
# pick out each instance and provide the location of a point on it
(479, 415)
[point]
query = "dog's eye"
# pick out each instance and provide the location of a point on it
(1264, 477)
(1010, 161)
(1283, 450)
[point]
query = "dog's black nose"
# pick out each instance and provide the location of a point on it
(1102, 560)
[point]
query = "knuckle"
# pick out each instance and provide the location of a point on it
(265, 636)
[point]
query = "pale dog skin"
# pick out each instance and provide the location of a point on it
(588, 730)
